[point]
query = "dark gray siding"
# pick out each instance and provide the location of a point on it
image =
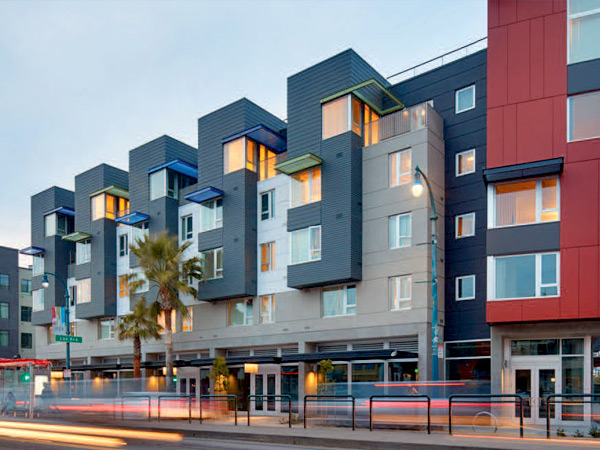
(465, 319)
(583, 76)
(210, 239)
(543, 237)
(304, 216)
(9, 265)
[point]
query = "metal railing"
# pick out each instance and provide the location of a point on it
(142, 397)
(189, 398)
(401, 398)
(333, 398)
(551, 399)
(395, 124)
(226, 398)
(439, 61)
(276, 397)
(470, 397)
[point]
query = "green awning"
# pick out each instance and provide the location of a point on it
(113, 190)
(299, 163)
(77, 236)
(357, 87)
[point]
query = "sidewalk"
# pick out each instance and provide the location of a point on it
(333, 437)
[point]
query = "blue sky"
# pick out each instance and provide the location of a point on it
(84, 82)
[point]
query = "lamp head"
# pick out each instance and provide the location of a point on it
(417, 186)
(45, 282)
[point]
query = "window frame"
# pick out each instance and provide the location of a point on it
(397, 280)
(271, 313)
(570, 107)
(216, 214)
(4, 333)
(348, 99)
(457, 162)
(311, 251)
(111, 330)
(214, 253)
(81, 284)
(83, 251)
(248, 319)
(491, 277)
(4, 286)
(399, 174)
(42, 300)
(457, 281)
(123, 249)
(344, 288)
(25, 313)
(30, 343)
(271, 205)
(187, 227)
(456, 94)
(397, 217)
(311, 189)
(27, 283)
(4, 306)
(462, 216)
(591, 12)
(270, 264)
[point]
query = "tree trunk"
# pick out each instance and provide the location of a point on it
(137, 357)
(169, 351)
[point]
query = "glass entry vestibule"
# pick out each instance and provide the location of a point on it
(266, 381)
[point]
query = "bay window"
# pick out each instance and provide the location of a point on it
(245, 153)
(107, 206)
(400, 230)
(37, 298)
(583, 116)
(166, 183)
(211, 215)
(57, 224)
(400, 292)
(524, 202)
(339, 301)
(240, 313)
(400, 168)
(212, 263)
(83, 251)
(306, 187)
(524, 276)
(336, 117)
(306, 245)
(84, 290)
(584, 30)
(38, 266)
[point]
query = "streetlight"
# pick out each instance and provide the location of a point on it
(417, 190)
(45, 284)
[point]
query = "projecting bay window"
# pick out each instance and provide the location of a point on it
(84, 291)
(306, 245)
(106, 206)
(240, 312)
(400, 168)
(371, 125)
(58, 224)
(246, 153)
(339, 301)
(400, 292)
(524, 276)
(400, 230)
(306, 187)
(211, 215)
(349, 113)
(37, 298)
(524, 202)
(584, 30)
(583, 116)
(83, 251)
(167, 183)
(213, 263)
(38, 266)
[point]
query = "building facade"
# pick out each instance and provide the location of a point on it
(9, 302)
(26, 329)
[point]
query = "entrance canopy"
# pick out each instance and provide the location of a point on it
(13, 363)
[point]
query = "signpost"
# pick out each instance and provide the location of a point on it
(66, 338)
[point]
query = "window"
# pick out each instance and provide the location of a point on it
(267, 161)
(4, 338)
(165, 183)
(234, 153)
(37, 298)
(465, 288)
(57, 225)
(107, 329)
(267, 257)
(123, 245)
(187, 228)
(25, 286)
(339, 301)
(267, 205)
(400, 168)
(584, 30)
(371, 125)
(187, 323)
(213, 263)
(306, 187)
(400, 230)
(83, 251)
(468, 360)
(84, 291)
(525, 202)
(465, 225)
(106, 206)
(161, 321)
(4, 282)
(465, 99)
(25, 313)
(583, 112)
(38, 266)
(336, 117)
(240, 312)
(123, 286)
(26, 340)
(211, 215)
(4, 307)
(465, 162)
(306, 245)
(400, 292)
(524, 276)
(267, 309)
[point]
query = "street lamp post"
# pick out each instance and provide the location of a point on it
(417, 190)
(45, 284)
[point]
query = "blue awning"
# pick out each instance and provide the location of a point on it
(132, 218)
(262, 135)
(178, 166)
(204, 194)
(32, 251)
(61, 210)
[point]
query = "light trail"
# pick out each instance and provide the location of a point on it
(518, 439)
(96, 441)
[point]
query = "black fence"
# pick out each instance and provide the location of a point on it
(401, 398)
(142, 397)
(332, 398)
(468, 398)
(275, 397)
(175, 396)
(573, 399)
(226, 398)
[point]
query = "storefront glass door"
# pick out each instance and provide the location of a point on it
(266, 382)
(534, 381)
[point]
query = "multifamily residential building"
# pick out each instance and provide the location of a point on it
(26, 329)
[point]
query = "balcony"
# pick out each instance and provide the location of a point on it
(395, 124)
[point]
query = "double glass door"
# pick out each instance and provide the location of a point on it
(266, 382)
(534, 381)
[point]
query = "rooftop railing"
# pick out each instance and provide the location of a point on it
(395, 124)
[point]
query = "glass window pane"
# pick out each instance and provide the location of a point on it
(251, 154)
(548, 269)
(572, 346)
(515, 277)
(515, 203)
(315, 243)
(465, 99)
(393, 231)
(356, 125)
(584, 114)
(403, 371)
(234, 153)
(158, 184)
(316, 185)
(584, 34)
(367, 372)
(466, 162)
(465, 288)
(335, 117)
(466, 349)
(580, 6)
(536, 347)
(549, 200)
(468, 369)
(50, 224)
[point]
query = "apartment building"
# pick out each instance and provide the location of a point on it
(26, 329)
(542, 176)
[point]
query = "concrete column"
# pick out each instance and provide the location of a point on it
(424, 338)
(498, 360)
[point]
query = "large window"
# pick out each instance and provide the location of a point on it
(465, 225)
(371, 125)
(400, 292)
(123, 245)
(468, 360)
(400, 230)
(38, 266)
(465, 288)
(306, 245)
(246, 153)
(267, 257)
(4, 282)
(37, 299)
(235, 155)
(25, 313)
(213, 263)
(267, 309)
(584, 30)
(106, 329)
(339, 301)
(525, 202)
(336, 117)
(106, 206)
(166, 183)
(465, 99)
(26, 340)
(123, 286)
(240, 312)
(211, 215)
(4, 308)
(187, 323)
(84, 290)
(83, 251)
(583, 112)
(400, 168)
(524, 276)
(465, 162)
(267, 205)
(58, 224)
(306, 187)
(187, 228)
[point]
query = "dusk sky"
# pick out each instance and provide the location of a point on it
(84, 82)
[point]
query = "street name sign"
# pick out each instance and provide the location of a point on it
(65, 338)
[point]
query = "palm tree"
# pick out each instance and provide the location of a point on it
(161, 260)
(139, 325)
